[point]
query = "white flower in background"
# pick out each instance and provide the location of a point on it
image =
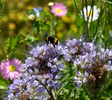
(91, 13)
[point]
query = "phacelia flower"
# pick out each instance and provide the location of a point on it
(40, 76)
(72, 49)
(97, 63)
(93, 14)
(11, 68)
(59, 9)
(80, 79)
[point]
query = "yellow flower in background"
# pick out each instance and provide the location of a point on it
(12, 26)
(66, 19)
(46, 8)
(69, 2)
(5, 18)
(72, 19)
(59, 28)
(16, 1)
(74, 28)
(48, 22)
(26, 0)
(30, 7)
(21, 15)
(59, 34)
(20, 5)
(11, 5)
(12, 15)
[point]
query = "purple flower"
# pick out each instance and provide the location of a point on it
(94, 64)
(72, 49)
(40, 75)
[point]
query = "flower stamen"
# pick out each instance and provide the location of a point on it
(12, 68)
(58, 10)
(89, 13)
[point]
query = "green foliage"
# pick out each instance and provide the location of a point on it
(29, 39)
(3, 85)
(30, 11)
(1, 8)
(12, 44)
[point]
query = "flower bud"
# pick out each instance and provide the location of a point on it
(50, 4)
(31, 18)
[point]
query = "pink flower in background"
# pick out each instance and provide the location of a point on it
(92, 14)
(11, 68)
(59, 9)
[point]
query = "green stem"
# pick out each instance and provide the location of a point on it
(90, 96)
(74, 94)
(107, 1)
(63, 85)
(2, 50)
(101, 91)
(52, 27)
(83, 16)
(49, 91)
(77, 6)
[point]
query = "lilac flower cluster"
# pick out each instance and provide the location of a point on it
(95, 64)
(72, 49)
(44, 63)
(40, 77)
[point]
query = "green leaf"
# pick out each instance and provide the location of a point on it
(43, 14)
(3, 85)
(12, 44)
(1, 9)
(29, 39)
(30, 11)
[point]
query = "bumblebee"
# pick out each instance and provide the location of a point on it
(52, 40)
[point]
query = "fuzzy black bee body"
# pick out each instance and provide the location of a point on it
(52, 40)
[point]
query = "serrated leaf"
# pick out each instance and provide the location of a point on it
(29, 39)
(43, 14)
(13, 43)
